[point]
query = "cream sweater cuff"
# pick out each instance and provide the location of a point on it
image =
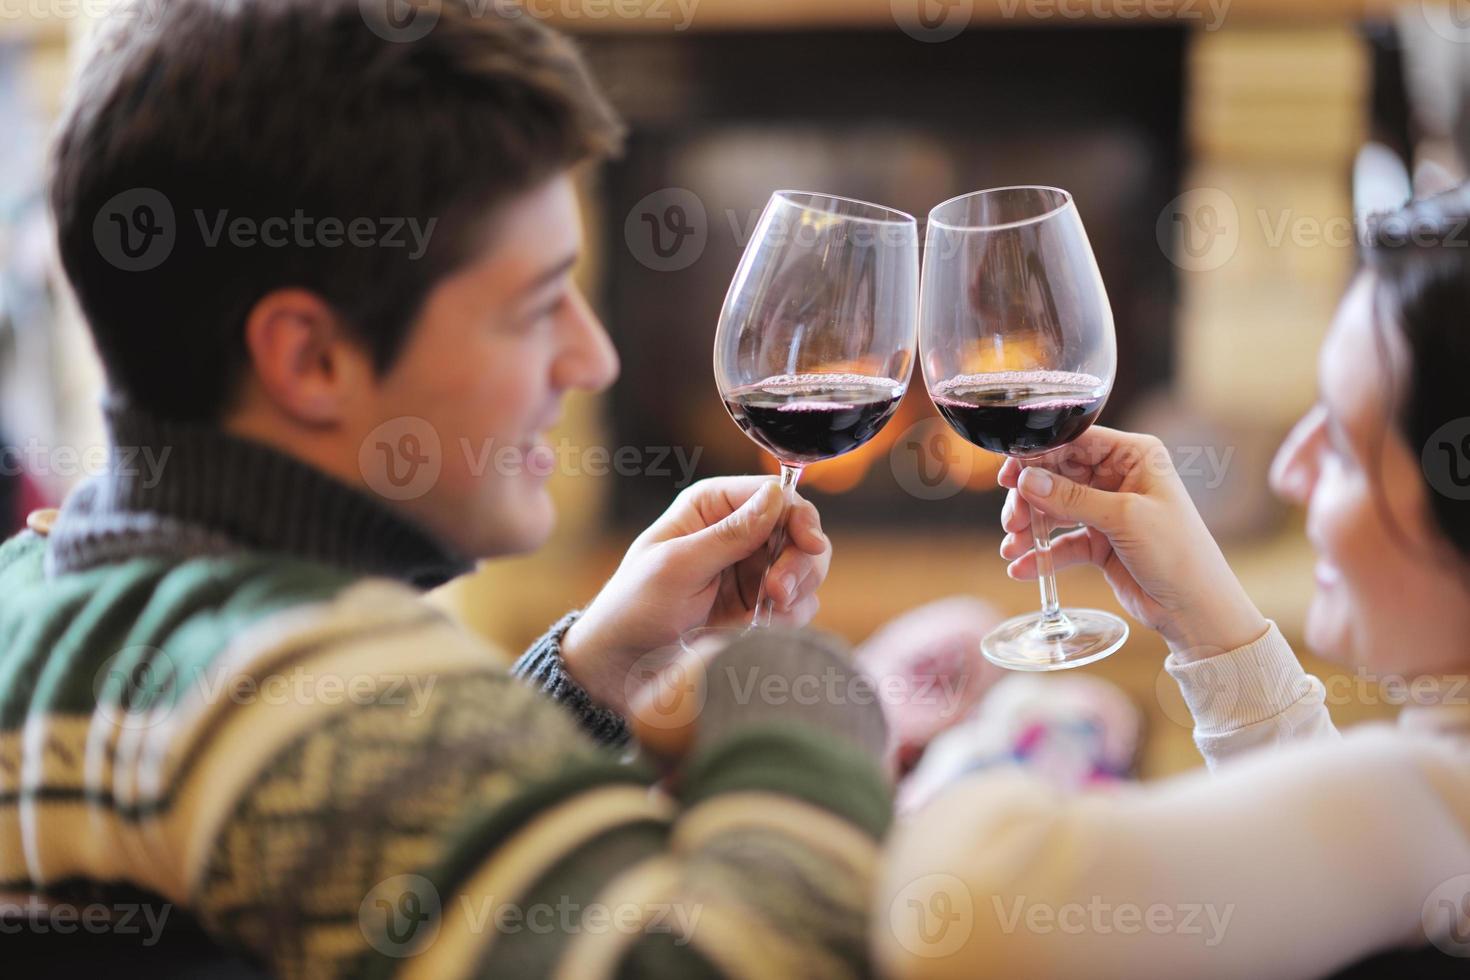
(1241, 687)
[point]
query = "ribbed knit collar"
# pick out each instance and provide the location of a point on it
(182, 490)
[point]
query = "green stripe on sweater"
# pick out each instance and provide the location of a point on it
(798, 761)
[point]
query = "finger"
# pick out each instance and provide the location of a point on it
(1013, 546)
(1018, 520)
(1109, 459)
(811, 578)
(1015, 516)
(1092, 447)
(1009, 471)
(1017, 543)
(799, 574)
(804, 528)
(719, 497)
(799, 615)
(1066, 500)
(784, 582)
(705, 503)
(1072, 548)
(733, 538)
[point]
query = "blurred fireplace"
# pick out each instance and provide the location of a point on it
(730, 117)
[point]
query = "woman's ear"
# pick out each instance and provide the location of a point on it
(302, 358)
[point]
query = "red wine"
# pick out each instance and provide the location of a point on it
(1020, 413)
(803, 418)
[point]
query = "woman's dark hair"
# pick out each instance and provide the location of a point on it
(1420, 257)
(215, 150)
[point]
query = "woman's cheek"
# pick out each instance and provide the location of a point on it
(1330, 629)
(1341, 524)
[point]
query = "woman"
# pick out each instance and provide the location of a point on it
(1302, 851)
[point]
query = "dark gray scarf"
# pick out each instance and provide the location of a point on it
(182, 490)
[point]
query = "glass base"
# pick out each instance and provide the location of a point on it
(710, 637)
(1080, 637)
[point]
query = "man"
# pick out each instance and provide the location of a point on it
(319, 255)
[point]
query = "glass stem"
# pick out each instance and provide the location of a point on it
(1054, 624)
(764, 604)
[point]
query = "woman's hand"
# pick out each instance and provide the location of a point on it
(1141, 529)
(700, 564)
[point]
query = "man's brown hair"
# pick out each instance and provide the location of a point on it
(215, 150)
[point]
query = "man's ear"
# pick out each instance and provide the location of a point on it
(302, 357)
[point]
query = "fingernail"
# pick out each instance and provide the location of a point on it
(788, 586)
(1036, 481)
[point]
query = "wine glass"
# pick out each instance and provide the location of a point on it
(817, 336)
(1019, 355)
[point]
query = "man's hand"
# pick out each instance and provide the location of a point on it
(700, 564)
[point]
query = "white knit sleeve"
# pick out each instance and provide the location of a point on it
(1252, 696)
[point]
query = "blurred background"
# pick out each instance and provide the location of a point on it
(1214, 148)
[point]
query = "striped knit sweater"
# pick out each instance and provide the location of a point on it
(229, 707)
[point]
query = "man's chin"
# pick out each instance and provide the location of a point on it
(521, 530)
